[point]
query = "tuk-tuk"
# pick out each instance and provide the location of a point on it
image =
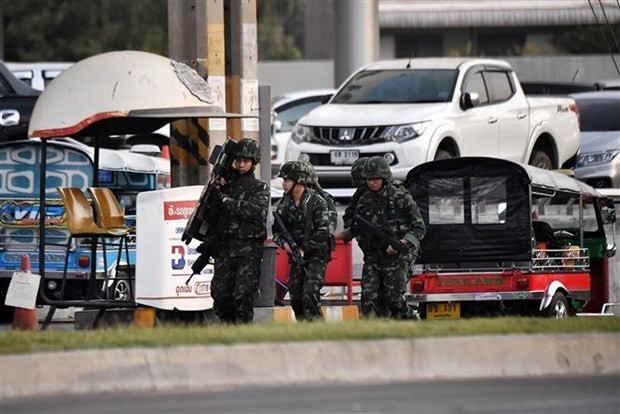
(70, 165)
(507, 238)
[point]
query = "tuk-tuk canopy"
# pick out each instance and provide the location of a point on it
(125, 160)
(538, 178)
(554, 181)
(126, 92)
(479, 207)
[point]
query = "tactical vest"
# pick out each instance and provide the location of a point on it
(308, 210)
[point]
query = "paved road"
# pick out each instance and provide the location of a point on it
(591, 394)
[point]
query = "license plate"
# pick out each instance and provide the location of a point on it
(443, 310)
(344, 157)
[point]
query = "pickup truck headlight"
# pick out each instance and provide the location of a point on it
(595, 158)
(401, 133)
(301, 133)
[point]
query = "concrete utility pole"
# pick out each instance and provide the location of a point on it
(242, 67)
(218, 38)
(196, 37)
(357, 36)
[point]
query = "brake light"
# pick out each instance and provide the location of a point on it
(83, 261)
(522, 282)
(574, 108)
(417, 284)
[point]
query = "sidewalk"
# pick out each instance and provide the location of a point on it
(187, 368)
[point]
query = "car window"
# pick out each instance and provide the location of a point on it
(599, 114)
(290, 114)
(475, 84)
(500, 87)
(398, 86)
(5, 89)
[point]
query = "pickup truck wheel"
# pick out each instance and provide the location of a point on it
(121, 288)
(558, 308)
(442, 155)
(541, 160)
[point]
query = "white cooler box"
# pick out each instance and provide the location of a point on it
(163, 261)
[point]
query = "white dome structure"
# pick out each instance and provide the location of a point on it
(120, 93)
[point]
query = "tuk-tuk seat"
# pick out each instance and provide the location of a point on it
(544, 233)
(110, 215)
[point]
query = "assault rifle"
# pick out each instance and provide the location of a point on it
(385, 235)
(221, 158)
(207, 250)
(288, 238)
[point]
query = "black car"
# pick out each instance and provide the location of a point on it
(16, 104)
(556, 87)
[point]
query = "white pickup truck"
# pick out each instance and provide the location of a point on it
(415, 110)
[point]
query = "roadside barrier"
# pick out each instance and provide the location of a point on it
(285, 314)
(339, 271)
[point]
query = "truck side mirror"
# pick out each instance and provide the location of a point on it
(608, 210)
(277, 125)
(611, 249)
(469, 100)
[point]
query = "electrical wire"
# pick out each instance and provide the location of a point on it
(609, 27)
(607, 43)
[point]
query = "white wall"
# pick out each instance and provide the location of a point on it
(297, 75)
(288, 76)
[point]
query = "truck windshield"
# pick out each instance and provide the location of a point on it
(398, 86)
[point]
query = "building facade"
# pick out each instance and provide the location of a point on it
(425, 28)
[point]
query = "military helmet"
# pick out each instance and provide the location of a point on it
(296, 171)
(356, 170)
(314, 179)
(248, 148)
(377, 167)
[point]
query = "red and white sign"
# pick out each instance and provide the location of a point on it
(163, 261)
(179, 210)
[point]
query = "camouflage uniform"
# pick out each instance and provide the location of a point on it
(358, 182)
(308, 224)
(241, 231)
(331, 204)
(384, 277)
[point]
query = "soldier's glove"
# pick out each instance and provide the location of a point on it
(217, 187)
(218, 192)
(201, 248)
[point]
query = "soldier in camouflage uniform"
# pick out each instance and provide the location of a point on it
(331, 204)
(385, 271)
(360, 188)
(305, 215)
(241, 206)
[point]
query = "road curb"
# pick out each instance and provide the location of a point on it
(226, 366)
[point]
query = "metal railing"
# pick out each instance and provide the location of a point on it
(568, 259)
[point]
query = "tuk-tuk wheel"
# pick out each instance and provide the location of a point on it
(558, 308)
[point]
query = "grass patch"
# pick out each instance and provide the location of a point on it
(172, 335)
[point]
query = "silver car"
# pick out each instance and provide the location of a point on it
(598, 163)
(287, 109)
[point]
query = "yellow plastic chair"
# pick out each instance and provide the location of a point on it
(80, 222)
(111, 218)
(79, 216)
(110, 215)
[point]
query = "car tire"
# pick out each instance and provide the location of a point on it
(541, 160)
(558, 308)
(121, 288)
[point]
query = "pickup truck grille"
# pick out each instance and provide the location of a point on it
(348, 136)
(325, 160)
